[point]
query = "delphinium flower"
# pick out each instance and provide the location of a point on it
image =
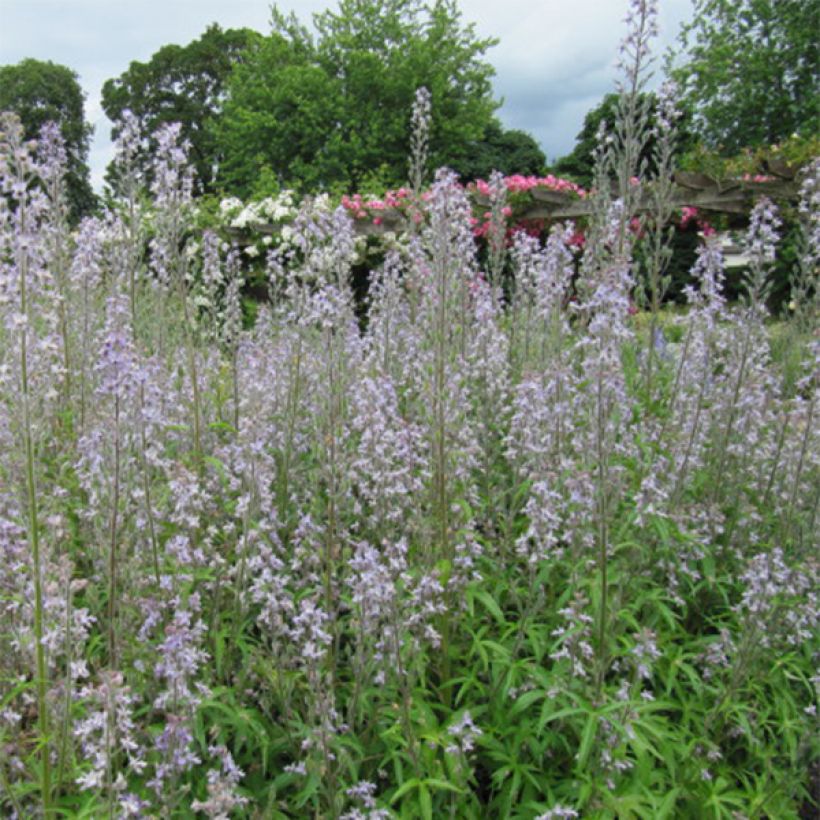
(31, 365)
(208, 288)
(419, 138)
(321, 249)
(274, 370)
(788, 485)
(653, 494)
(387, 471)
(392, 338)
(172, 187)
(467, 552)
(685, 434)
(547, 404)
(546, 278)
(425, 602)
(14, 571)
(805, 293)
(176, 756)
(778, 610)
(216, 294)
(325, 348)
(630, 131)
(189, 500)
(635, 53)
(603, 435)
(363, 793)
(179, 660)
(50, 166)
(29, 296)
(336, 349)
(107, 737)
(89, 271)
(16, 628)
(635, 56)
(180, 656)
(558, 812)
(779, 602)
(66, 628)
(172, 252)
(310, 630)
(611, 756)
(223, 798)
(464, 734)
(289, 423)
(373, 592)
(575, 639)
(658, 235)
(645, 652)
(542, 540)
(230, 324)
(108, 463)
(444, 268)
(545, 401)
(486, 367)
(128, 219)
(269, 589)
(747, 395)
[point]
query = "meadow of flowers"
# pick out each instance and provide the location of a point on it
(498, 547)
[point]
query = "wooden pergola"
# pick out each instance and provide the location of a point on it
(728, 196)
(700, 191)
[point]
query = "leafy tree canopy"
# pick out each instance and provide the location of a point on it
(509, 151)
(325, 109)
(751, 71)
(579, 163)
(40, 92)
(184, 84)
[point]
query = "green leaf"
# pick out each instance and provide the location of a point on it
(490, 605)
(668, 804)
(523, 702)
(549, 717)
(443, 785)
(425, 802)
(587, 738)
(405, 787)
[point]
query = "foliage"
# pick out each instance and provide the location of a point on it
(184, 84)
(324, 112)
(40, 92)
(795, 151)
(750, 71)
(506, 150)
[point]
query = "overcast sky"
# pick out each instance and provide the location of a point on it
(553, 63)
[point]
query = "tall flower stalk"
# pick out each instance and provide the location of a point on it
(173, 194)
(18, 179)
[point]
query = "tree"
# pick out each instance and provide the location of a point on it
(184, 84)
(329, 110)
(579, 163)
(40, 92)
(751, 71)
(499, 149)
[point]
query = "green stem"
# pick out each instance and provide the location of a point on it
(112, 550)
(146, 486)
